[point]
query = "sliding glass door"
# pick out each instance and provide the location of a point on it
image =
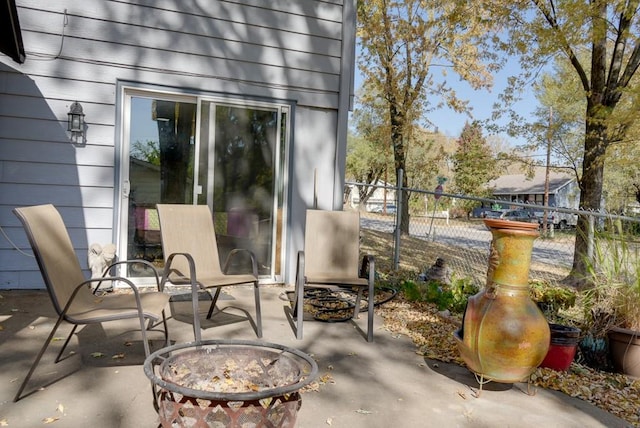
(229, 156)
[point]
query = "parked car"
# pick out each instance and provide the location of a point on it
(550, 219)
(557, 220)
(492, 214)
(524, 215)
(391, 209)
(563, 220)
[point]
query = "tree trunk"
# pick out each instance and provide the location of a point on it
(590, 195)
(399, 156)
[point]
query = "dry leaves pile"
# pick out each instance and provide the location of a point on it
(433, 335)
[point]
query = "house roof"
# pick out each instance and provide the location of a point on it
(517, 184)
(10, 34)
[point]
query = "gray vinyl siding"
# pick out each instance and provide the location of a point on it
(281, 49)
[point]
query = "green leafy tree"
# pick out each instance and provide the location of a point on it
(540, 30)
(368, 150)
(369, 157)
(560, 118)
(149, 151)
(473, 164)
(365, 164)
(400, 41)
(560, 127)
(427, 156)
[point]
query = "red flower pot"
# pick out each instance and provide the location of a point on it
(562, 349)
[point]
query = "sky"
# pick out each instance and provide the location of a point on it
(451, 123)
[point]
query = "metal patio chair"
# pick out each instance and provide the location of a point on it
(330, 260)
(70, 291)
(191, 257)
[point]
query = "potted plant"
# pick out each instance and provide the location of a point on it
(624, 335)
(613, 300)
(551, 299)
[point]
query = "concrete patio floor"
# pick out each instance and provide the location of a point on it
(379, 384)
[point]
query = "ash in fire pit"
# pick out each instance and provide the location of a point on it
(231, 372)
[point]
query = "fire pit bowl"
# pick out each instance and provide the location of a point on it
(229, 383)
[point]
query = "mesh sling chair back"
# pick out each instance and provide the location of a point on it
(191, 257)
(70, 291)
(330, 260)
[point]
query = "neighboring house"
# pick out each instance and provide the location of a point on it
(564, 192)
(385, 193)
(237, 104)
(563, 189)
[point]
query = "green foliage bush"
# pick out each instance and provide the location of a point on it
(446, 297)
(552, 298)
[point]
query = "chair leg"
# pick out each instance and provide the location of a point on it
(143, 331)
(66, 342)
(256, 293)
(166, 329)
(371, 265)
(299, 309)
(37, 360)
(371, 302)
(298, 305)
(153, 325)
(214, 301)
(356, 308)
(196, 313)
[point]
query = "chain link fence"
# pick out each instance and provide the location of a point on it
(438, 228)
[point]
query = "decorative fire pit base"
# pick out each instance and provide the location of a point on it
(229, 383)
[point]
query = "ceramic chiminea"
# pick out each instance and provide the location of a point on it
(504, 335)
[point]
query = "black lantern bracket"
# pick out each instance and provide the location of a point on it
(76, 122)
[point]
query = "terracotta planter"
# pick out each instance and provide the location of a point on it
(624, 346)
(504, 335)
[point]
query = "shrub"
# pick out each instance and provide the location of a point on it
(446, 297)
(551, 298)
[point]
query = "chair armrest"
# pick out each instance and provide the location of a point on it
(131, 262)
(236, 253)
(167, 270)
(127, 281)
(300, 267)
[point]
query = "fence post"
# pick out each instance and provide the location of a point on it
(591, 236)
(396, 246)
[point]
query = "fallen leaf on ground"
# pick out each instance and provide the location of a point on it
(50, 420)
(614, 393)
(364, 412)
(4, 423)
(97, 354)
(118, 357)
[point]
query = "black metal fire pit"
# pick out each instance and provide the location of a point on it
(229, 383)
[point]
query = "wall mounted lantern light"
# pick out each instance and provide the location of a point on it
(76, 122)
